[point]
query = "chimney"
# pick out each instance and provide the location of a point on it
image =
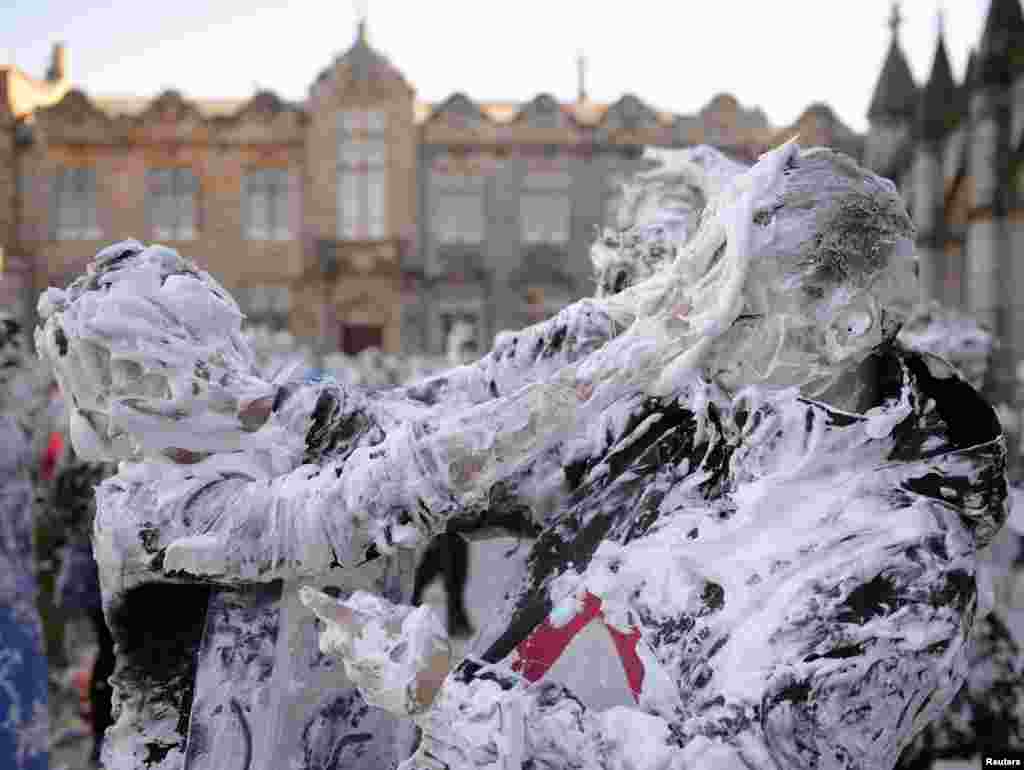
(58, 70)
(581, 89)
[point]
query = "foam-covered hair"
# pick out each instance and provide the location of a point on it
(804, 211)
(145, 336)
(660, 210)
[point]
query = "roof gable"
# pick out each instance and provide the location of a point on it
(264, 106)
(170, 107)
(630, 113)
(543, 111)
(75, 109)
(459, 111)
(263, 118)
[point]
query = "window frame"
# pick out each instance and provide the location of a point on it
(361, 206)
(274, 184)
(75, 191)
(180, 198)
(459, 189)
(540, 189)
(266, 305)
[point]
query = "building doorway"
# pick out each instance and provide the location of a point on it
(355, 338)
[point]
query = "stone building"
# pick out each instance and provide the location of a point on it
(362, 217)
(956, 151)
(20, 97)
(512, 195)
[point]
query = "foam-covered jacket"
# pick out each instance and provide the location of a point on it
(802, 580)
(219, 668)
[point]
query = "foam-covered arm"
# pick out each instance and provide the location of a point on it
(254, 530)
(383, 470)
(244, 495)
(530, 355)
(342, 471)
(396, 492)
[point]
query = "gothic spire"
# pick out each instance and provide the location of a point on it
(1001, 53)
(895, 20)
(895, 97)
(938, 113)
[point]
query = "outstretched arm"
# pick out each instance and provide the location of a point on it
(360, 470)
(147, 348)
(396, 491)
(533, 354)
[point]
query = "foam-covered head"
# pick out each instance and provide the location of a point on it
(833, 276)
(801, 266)
(148, 351)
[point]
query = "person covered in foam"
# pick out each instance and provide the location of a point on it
(24, 715)
(148, 350)
(797, 563)
(779, 505)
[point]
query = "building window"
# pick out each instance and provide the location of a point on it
(614, 197)
(172, 203)
(545, 208)
(362, 153)
(74, 217)
(266, 205)
(355, 338)
(459, 210)
(265, 305)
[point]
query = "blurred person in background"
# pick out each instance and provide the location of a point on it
(24, 720)
(77, 594)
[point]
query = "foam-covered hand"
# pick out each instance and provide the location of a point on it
(397, 655)
(148, 349)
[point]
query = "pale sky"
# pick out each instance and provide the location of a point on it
(674, 54)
